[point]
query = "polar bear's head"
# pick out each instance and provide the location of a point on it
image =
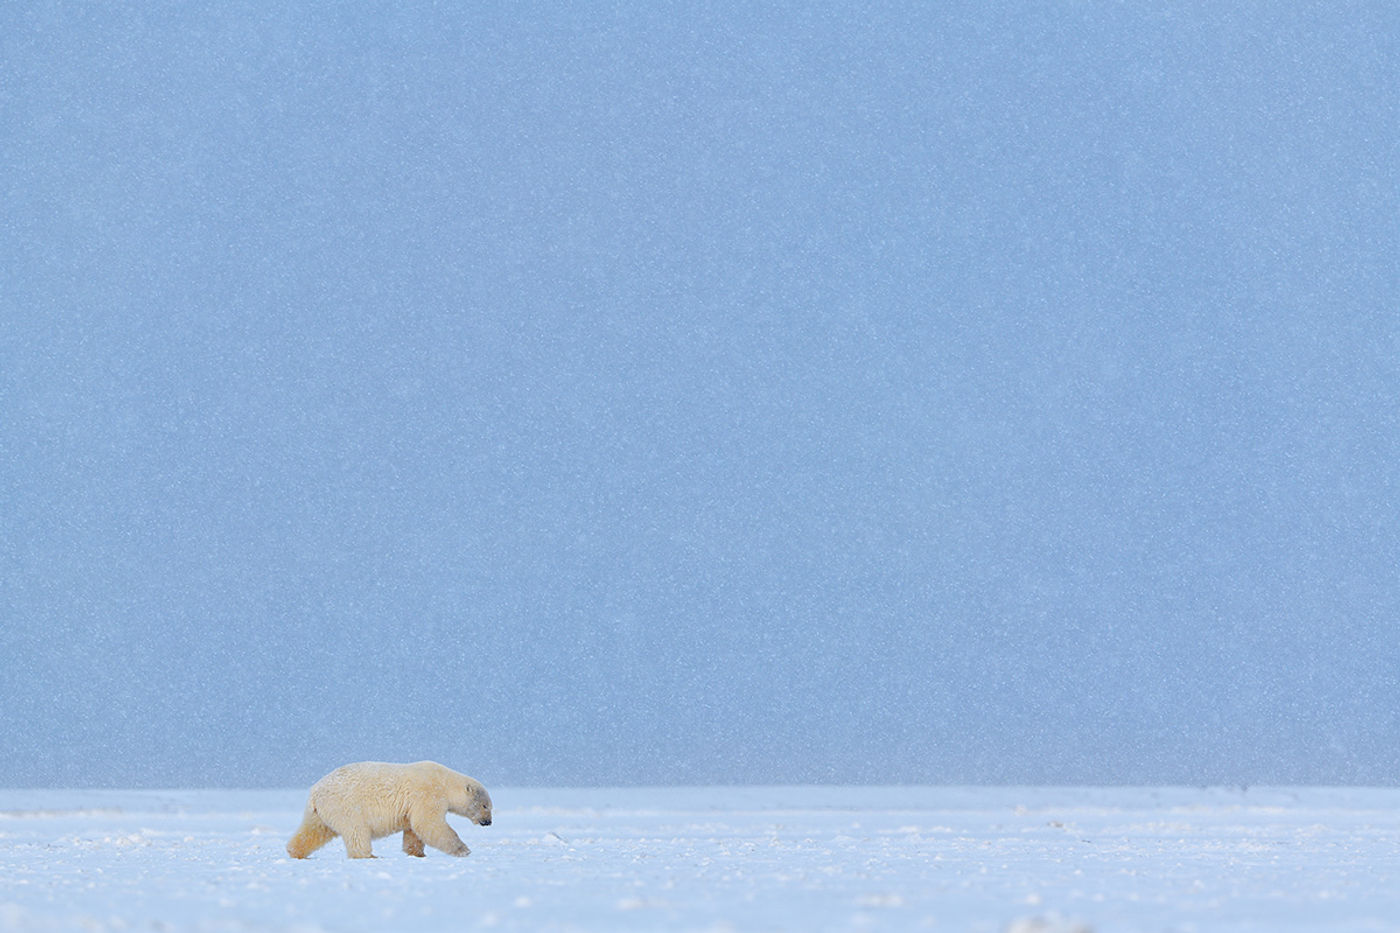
(470, 799)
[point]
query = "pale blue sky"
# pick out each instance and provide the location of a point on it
(776, 393)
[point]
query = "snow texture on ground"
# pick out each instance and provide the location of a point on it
(1001, 860)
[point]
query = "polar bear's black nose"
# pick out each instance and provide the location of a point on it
(486, 822)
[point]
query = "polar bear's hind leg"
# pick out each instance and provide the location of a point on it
(357, 842)
(310, 836)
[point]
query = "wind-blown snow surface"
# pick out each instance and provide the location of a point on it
(719, 858)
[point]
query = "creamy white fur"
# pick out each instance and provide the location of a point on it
(372, 799)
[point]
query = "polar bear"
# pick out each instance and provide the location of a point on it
(372, 799)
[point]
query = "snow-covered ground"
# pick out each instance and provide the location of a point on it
(1025, 860)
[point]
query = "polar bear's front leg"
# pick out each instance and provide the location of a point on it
(412, 844)
(432, 828)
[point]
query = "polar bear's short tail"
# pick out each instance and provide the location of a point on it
(310, 836)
